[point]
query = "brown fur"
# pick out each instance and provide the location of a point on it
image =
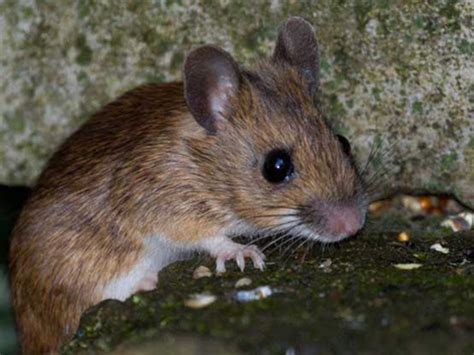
(99, 196)
(143, 166)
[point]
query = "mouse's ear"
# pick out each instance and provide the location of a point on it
(297, 46)
(211, 81)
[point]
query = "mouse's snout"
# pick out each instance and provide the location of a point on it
(339, 220)
(343, 221)
(336, 220)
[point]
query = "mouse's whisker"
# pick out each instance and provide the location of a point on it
(283, 241)
(376, 157)
(372, 153)
(372, 175)
(291, 242)
(375, 181)
(301, 244)
(270, 207)
(261, 237)
(276, 215)
(285, 234)
(289, 246)
(377, 185)
(272, 231)
(272, 242)
(293, 208)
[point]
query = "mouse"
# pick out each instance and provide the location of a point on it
(170, 169)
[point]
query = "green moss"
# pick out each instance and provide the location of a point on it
(177, 60)
(471, 143)
(336, 108)
(417, 107)
(325, 66)
(451, 13)
(16, 123)
(362, 13)
(434, 186)
(466, 47)
(84, 8)
(376, 93)
(82, 77)
(449, 161)
(84, 56)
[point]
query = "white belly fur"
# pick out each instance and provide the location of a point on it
(158, 254)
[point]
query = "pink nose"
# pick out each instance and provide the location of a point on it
(343, 221)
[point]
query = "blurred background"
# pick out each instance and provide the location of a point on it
(396, 74)
(11, 200)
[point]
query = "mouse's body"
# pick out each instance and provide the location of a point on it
(169, 169)
(96, 226)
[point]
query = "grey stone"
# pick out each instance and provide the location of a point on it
(395, 74)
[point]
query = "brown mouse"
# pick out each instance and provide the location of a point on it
(180, 167)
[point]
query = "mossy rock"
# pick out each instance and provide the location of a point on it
(359, 302)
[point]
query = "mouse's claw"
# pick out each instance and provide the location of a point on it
(220, 265)
(258, 258)
(227, 250)
(239, 258)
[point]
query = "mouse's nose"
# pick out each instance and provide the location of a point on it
(343, 220)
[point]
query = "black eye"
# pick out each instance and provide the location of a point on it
(278, 166)
(346, 146)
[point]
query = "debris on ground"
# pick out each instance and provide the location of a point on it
(201, 271)
(408, 266)
(244, 281)
(439, 248)
(256, 294)
(200, 300)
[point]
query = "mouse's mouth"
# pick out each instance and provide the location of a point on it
(320, 236)
(329, 223)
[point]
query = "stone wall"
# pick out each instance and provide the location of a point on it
(395, 73)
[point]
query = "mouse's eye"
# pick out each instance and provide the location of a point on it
(346, 146)
(278, 166)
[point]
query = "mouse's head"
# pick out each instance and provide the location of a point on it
(271, 157)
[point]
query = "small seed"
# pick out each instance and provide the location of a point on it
(200, 300)
(244, 281)
(403, 237)
(439, 248)
(407, 266)
(325, 264)
(201, 271)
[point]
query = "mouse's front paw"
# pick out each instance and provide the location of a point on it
(239, 253)
(223, 249)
